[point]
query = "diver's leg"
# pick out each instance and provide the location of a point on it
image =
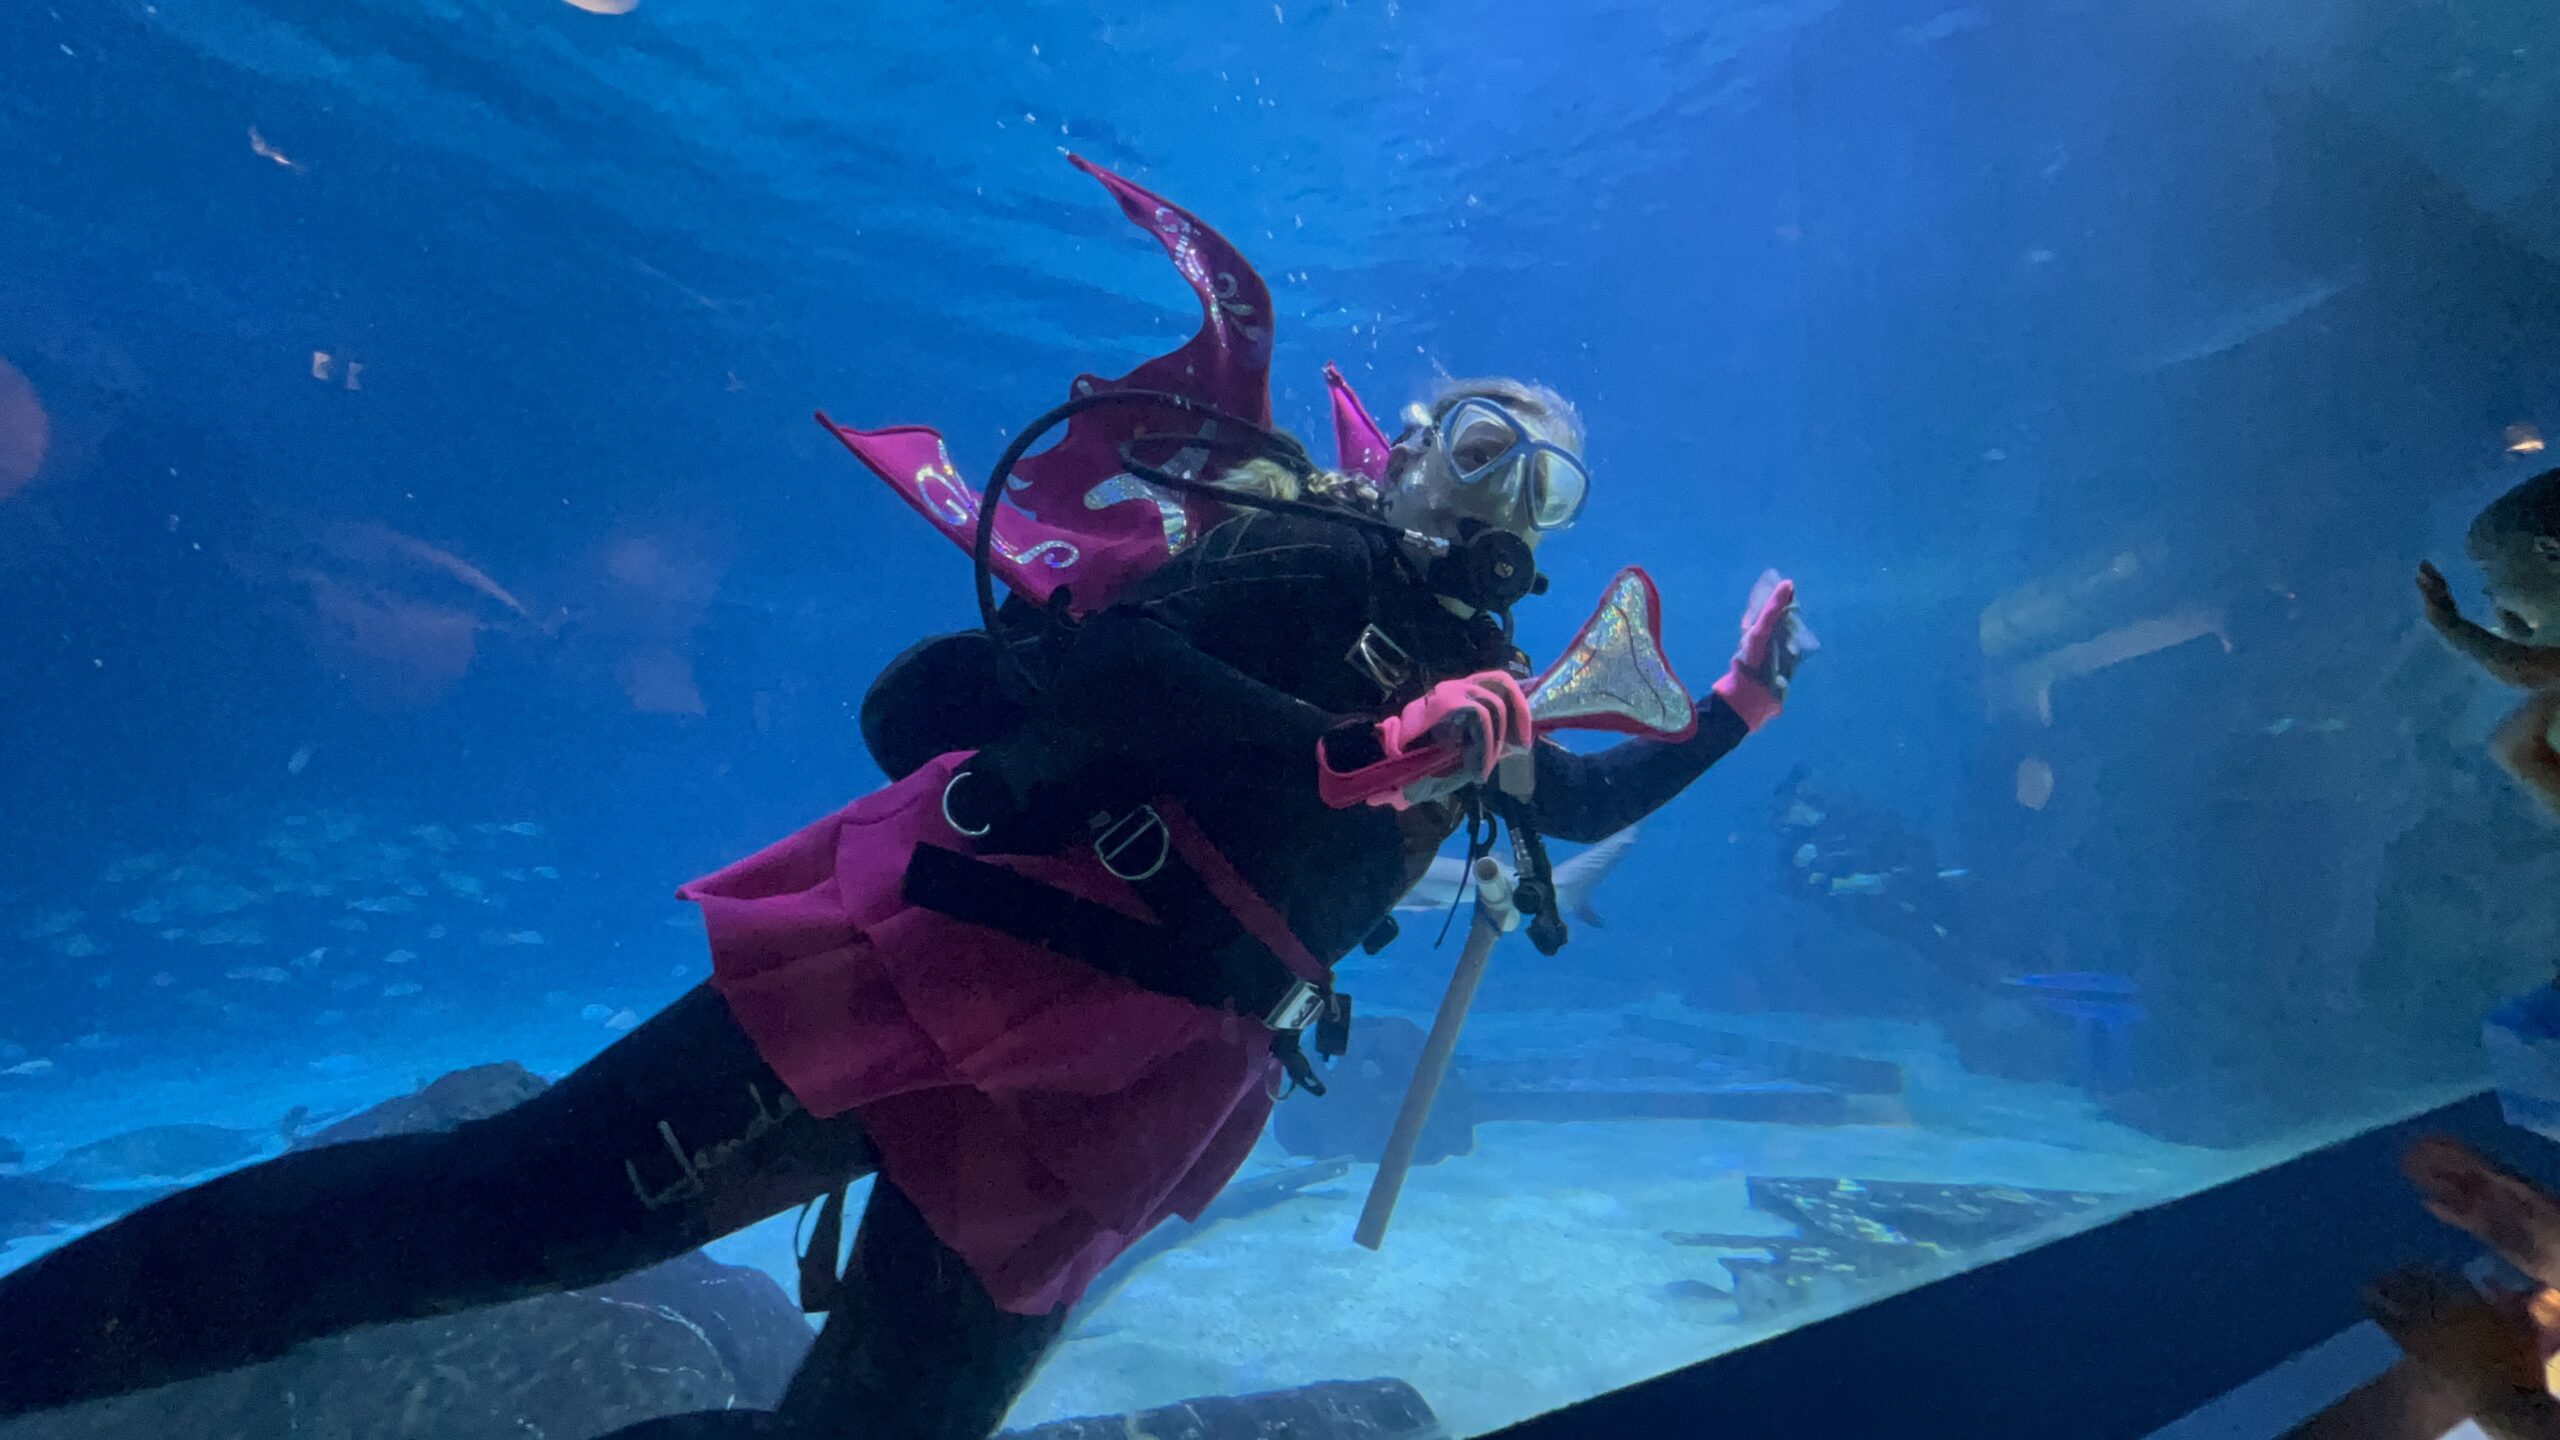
(676, 1134)
(2522, 747)
(916, 1349)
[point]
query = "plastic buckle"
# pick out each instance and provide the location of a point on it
(1299, 1006)
(953, 821)
(1114, 840)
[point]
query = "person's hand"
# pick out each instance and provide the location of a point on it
(1492, 722)
(1774, 641)
(2437, 596)
(2484, 1348)
(1452, 737)
(2503, 1210)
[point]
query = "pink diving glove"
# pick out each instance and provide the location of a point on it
(1756, 686)
(1459, 730)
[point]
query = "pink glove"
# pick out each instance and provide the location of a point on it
(1756, 685)
(1430, 740)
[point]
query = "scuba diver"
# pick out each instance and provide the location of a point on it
(1045, 984)
(1870, 866)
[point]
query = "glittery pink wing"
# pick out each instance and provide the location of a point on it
(1614, 676)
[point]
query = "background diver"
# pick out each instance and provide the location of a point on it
(1039, 1047)
(2516, 543)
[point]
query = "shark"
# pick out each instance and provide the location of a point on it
(1576, 878)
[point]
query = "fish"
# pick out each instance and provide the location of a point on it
(2100, 997)
(1957, 872)
(269, 974)
(1764, 587)
(52, 925)
(29, 1206)
(1447, 881)
(28, 1067)
(399, 957)
(1805, 855)
(165, 1152)
(404, 988)
(2229, 332)
(385, 905)
(1944, 26)
(1863, 883)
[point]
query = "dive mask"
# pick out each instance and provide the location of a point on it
(1485, 444)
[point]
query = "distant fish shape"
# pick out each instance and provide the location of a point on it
(163, 1152)
(1764, 587)
(29, 1206)
(1576, 879)
(1944, 25)
(52, 925)
(2098, 996)
(2230, 332)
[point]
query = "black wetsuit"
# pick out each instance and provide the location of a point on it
(1215, 678)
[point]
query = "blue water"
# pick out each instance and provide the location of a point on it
(417, 557)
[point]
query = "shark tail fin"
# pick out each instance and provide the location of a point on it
(1578, 877)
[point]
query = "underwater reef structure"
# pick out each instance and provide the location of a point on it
(1855, 1235)
(1332, 1410)
(1657, 1069)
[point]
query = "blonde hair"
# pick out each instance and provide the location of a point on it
(1527, 397)
(1275, 481)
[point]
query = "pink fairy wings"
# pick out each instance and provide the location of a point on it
(1360, 448)
(1072, 515)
